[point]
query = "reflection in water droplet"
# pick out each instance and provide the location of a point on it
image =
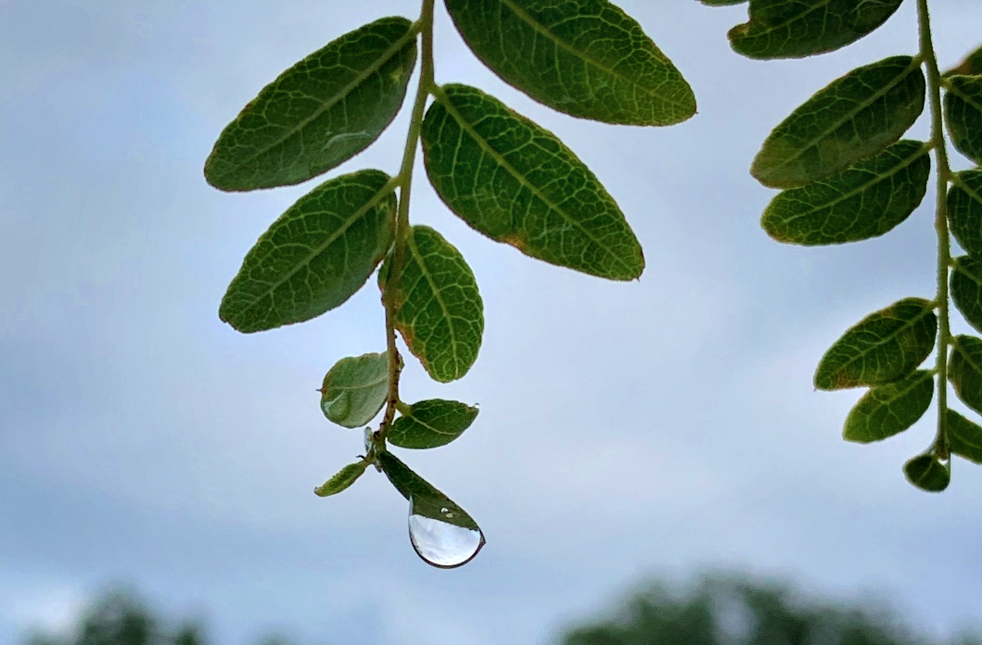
(443, 544)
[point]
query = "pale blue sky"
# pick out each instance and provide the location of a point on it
(656, 428)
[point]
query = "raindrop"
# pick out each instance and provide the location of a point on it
(441, 543)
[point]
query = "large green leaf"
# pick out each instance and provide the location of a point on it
(865, 201)
(431, 423)
(319, 113)
(517, 183)
(964, 437)
(965, 210)
(965, 371)
(427, 500)
(586, 58)
(315, 256)
(890, 409)
(342, 480)
(853, 118)
(438, 309)
(798, 28)
(966, 289)
(963, 114)
(928, 473)
(355, 389)
(882, 348)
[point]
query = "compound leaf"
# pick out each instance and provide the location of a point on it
(963, 115)
(882, 348)
(426, 500)
(965, 370)
(964, 437)
(853, 118)
(966, 289)
(315, 256)
(319, 113)
(342, 480)
(586, 58)
(865, 201)
(928, 473)
(783, 29)
(889, 409)
(355, 389)
(517, 183)
(431, 423)
(965, 210)
(437, 307)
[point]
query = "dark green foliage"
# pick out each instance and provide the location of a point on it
(965, 437)
(928, 473)
(965, 210)
(889, 409)
(965, 371)
(431, 423)
(966, 289)
(426, 500)
(963, 114)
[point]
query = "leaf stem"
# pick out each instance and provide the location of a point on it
(934, 83)
(401, 225)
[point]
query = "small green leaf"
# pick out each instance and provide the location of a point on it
(319, 113)
(963, 114)
(315, 256)
(882, 348)
(966, 289)
(431, 423)
(928, 473)
(586, 58)
(799, 28)
(965, 210)
(437, 307)
(865, 201)
(355, 389)
(964, 437)
(965, 370)
(853, 118)
(889, 409)
(427, 500)
(971, 66)
(342, 480)
(517, 183)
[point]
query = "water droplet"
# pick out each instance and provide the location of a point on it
(440, 543)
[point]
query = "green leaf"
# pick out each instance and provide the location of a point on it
(963, 114)
(315, 256)
(437, 307)
(964, 437)
(798, 28)
(865, 201)
(721, 3)
(853, 118)
(965, 210)
(355, 389)
(342, 480)
(586, 58)
(966, 289)
(431, 423)
(882, 348)
(965, 370)
(517, 183)
(971, 66)
(887, 410)
(427, 500)
(928, 473)
(319, 113)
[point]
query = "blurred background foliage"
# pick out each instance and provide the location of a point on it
(718, 610)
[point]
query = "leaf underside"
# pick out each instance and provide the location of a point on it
(965, 210)
(963, 115)
(585, 58)
(437, 307)
(427, 500)
(887, 410)
(342, 480)
(517, 183)
(966, 289)
(355, 389)
(865, 201)
(928, 473)
(431, 423)
(965, 370)
(884, 347)
(783, 29)
(319, 113)
(853, 118)
(964, 437)
(315, 256)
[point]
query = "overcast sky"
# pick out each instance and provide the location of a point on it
(651, 429)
